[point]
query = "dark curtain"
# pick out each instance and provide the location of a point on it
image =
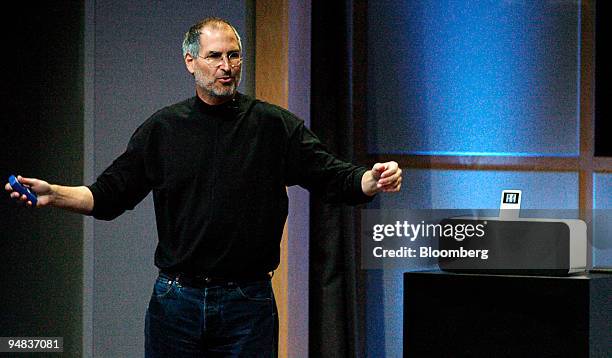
(334, 323)
(603, 109)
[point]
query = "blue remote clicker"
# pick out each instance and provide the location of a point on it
(18, 187)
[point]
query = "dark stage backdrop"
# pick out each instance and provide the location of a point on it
(42, 136)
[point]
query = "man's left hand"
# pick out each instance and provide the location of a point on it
(384, 177)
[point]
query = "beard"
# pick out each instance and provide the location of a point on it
(219, 90)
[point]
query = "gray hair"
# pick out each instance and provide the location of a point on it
(191, 42)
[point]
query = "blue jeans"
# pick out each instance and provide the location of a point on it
(224, 320)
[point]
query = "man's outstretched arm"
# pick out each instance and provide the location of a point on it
(78, 199)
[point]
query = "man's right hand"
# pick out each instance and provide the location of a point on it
(41, 188)
(78, 199)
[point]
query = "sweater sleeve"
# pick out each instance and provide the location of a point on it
(313, 167)
(123, 184)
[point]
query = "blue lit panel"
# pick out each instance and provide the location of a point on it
(474, 189)
(451, 189)
(602, 220)
(473, 77)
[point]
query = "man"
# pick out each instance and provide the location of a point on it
(218, 164)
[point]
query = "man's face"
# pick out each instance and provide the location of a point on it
(215, 84)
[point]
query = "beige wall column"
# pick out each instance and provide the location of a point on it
(272, 85)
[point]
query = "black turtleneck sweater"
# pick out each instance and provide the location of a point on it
(218, 175)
